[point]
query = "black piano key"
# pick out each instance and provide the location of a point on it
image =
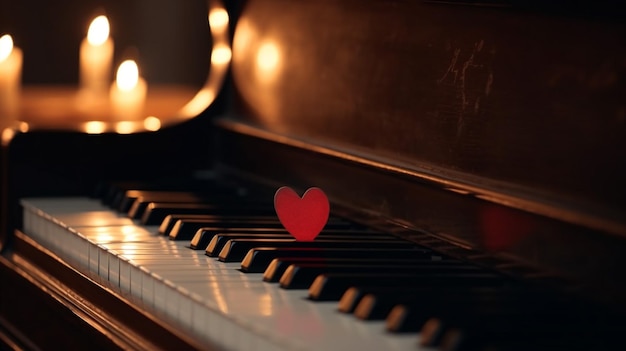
(140, 204)
(127, 193)
(217, 243)
(330, 287)
(156, 212)
(350, 299)
(404, 318)
(432, 332)
(497, 327)
(185, 229)
(258, 259)
(552, 321)
(216, 198)
(546, 325)
(401, 320)
(113, 193)
(377, 305)
(236, 249)
(278, 266)
(553, 326)
(136, 201)
(448, 338)
(125, 202)
(410, 316)
(170, 221)
(301, 276)
(219, 240)
(352, 296)
(203, 236)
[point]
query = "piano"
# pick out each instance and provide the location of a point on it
(472, 151)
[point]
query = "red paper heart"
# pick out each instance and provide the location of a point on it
(305, 217)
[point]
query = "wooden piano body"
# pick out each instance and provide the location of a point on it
(492, 132)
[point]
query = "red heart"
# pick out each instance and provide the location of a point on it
(305, 217)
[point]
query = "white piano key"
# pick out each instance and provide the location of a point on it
(136, 280)
(114, 269)
(94, 259)
(124, 276)
(103, 262)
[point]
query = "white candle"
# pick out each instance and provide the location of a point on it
(128, 92)
(96, 57)
(10, 81)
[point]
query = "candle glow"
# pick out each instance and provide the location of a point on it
(128, 93)
(6, 47)
(96, 57)
(127, 75)
(218, 19)
(10, 81)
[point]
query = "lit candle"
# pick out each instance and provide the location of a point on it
(96, 57)
(128, 92)
(10, 77)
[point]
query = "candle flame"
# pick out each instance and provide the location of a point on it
(218, 18)
(221, 55)
(127, 75)
(6, 46)
(98, 31)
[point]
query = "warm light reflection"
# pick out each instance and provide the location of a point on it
(265, 305)
(244, 36)
(6, 46)
(23, 127)
(129, 248)
(152, 123)
(128, 229)
(125, 127)
(219, 297)
(268, 63)
(218, 19)
(95, 127)
(104, 237)
(98, 31)
(198, 103)
(97, 220)
(7, 135)
(268, 57)
(221, 55)
(127, 75)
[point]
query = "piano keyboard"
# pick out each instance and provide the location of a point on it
(211, 300)
(240, 282)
